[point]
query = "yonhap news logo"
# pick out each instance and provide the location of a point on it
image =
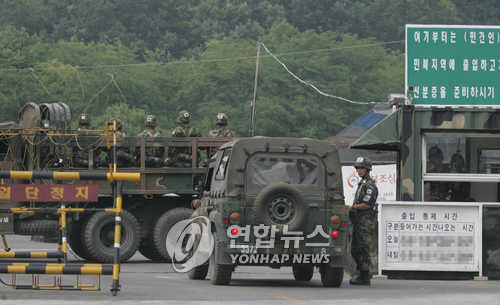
(190, 244)
(190, 241)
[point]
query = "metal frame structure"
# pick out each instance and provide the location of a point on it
(60, 269)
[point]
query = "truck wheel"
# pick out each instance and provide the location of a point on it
(148, 250)
(219, 274)
(280, 204)
(303, 273)
(198, 272)
(99, 236)
(146, 246)
(75, 238)
(163, 225)
(331, 276)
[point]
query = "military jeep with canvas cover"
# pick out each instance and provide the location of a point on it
(276, 202)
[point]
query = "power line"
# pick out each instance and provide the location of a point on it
(201, 61)
(311, 85)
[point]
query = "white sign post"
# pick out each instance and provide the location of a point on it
(384, 175)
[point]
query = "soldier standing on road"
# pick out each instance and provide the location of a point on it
(154, 155)
(181, 156)
(364, 219)
(221, 129)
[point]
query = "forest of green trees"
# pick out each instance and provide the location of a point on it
(131, 57)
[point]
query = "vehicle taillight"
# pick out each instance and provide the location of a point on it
(335, 219)
(335, 233)
(235, 216)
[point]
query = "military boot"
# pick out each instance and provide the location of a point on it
(362, 279)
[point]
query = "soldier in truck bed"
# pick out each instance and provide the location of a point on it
(181, 156)
(154, 155)
(80, 154)
(123, 155)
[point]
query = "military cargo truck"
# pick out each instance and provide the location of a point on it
(41, 139)
(290, 186)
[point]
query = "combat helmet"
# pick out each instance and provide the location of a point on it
(221, 119)
(435, 152)
(363, 162)
(84, 119)
(183, 117)
(151, 121)
(457, 163)
(118, 124)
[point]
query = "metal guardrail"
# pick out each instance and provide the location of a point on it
(59, 269)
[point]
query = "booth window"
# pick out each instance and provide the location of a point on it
(461, 154)
(457, 191)
(489, 161)
(461, 167)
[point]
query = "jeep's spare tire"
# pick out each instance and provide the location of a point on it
(280, 204)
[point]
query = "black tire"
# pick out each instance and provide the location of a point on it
(75, 238)
(331, 276)
(163, 225)
(280, 204)
(148, 250)
(303, 273)
(198, 272)
(99, 236)
(146, 247)
(36, 227)
(219, 274)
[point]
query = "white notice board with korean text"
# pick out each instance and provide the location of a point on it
(429, 236)
(384, 175)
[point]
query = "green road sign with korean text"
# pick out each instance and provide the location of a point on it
(455, 65)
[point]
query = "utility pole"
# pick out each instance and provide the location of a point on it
(251, 132)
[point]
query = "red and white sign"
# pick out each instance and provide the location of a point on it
(49, 192)
(385, 177)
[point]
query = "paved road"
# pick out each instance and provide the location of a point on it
(150, 283)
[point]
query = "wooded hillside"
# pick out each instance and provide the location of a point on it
(128, 58)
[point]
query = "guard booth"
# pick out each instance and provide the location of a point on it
(447, 155)
(446, 132)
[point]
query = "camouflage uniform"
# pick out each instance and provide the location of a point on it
(181, 156)
(154, 155)
(123, 155)
(220, 131)
(364, 222)
(80, 154)
(439, 191)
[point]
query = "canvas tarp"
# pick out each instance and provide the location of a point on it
(383, 136)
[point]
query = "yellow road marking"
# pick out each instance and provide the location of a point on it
(292, 299)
